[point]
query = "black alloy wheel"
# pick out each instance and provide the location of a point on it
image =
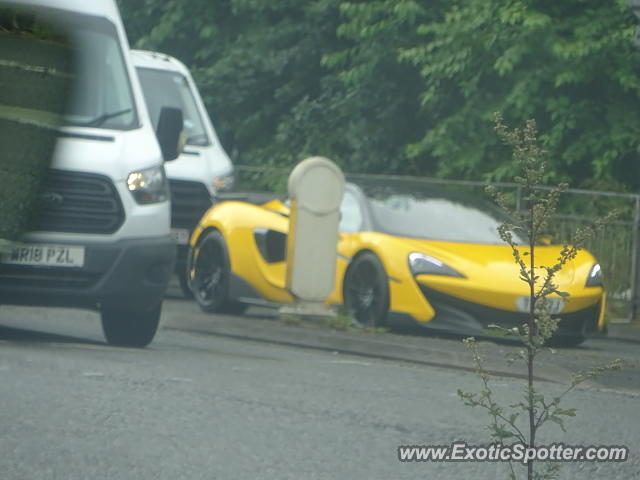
(366, 290)
(209, 271)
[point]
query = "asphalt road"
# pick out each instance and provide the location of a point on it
(200, 405)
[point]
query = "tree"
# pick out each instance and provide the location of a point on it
(399, 86)
(571, 64)
(523, 420)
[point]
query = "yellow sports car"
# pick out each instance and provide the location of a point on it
(404, 253)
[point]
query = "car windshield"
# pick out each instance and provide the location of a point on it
(162, 88)
(101, 94)
(425, 212)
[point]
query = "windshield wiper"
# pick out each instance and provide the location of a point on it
(100, 119)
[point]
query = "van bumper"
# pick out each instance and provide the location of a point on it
(130, 273)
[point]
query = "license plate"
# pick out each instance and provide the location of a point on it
(181, 235)
(44, 255)
(554, 305)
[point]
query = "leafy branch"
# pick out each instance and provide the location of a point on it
(523, 236)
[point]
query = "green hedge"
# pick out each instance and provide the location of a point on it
(34, 82)
(25, 157)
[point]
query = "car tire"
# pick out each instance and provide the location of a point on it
(209, 275)
(366, 290)
(130, 328)
(566, 340)
(569, 338)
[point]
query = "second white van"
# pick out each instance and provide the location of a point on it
(203, 168)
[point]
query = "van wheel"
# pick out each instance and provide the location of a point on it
(210, 271)
(130, 328)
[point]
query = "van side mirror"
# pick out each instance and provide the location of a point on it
(169, 131)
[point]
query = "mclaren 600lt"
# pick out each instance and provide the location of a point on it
(403, 254)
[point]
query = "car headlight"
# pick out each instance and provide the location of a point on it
(419, 263)
(224, 182)
(595, 276)
(149, 185)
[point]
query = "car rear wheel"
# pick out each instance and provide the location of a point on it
(366, 290)
(130, 328)
(209, 273)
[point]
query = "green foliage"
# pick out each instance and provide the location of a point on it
(257, 65)
(32, 100)
(377, 112)
(342, 322)
(573, 68)
(294, 320)
(287, 79)
(402, 87)
(19, 22)
(345, 322)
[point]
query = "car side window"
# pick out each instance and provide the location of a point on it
(350, 213)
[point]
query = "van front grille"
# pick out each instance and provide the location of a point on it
(75, 202)
(189, 201)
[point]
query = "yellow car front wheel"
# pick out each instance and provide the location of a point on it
(209, 272)
(366, 290)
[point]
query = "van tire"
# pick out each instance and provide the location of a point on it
(130, 328)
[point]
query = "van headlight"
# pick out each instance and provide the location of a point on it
(149, 185)
(224, 183)
(419, 263)
(595, 276)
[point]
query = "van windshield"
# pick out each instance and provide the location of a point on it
(101, 94)
(163, 88)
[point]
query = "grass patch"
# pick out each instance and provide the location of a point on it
(290, 319)
(342, 322)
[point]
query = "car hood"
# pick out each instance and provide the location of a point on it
(496, 263)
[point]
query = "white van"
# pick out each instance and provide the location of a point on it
(101, 238)
(203, 168)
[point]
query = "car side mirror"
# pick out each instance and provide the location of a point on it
(169, 132)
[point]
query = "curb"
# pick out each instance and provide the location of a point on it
(622, 332)
(449, 353)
